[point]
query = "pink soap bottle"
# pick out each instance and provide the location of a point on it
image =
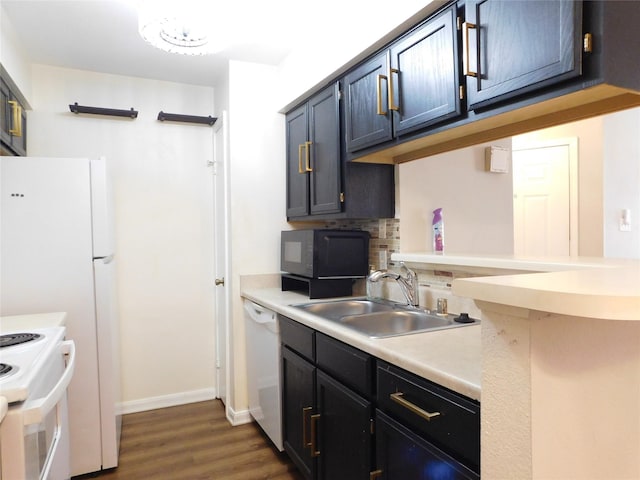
(438, 231)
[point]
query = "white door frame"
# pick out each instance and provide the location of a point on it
(222, 254)
(572, 144)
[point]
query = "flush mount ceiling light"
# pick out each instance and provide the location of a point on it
(184, 27)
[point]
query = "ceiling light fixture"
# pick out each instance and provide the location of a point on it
(184, 27)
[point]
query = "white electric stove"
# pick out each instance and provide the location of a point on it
(36, 366)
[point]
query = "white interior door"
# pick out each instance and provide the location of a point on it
(545, 198)
(221, 252)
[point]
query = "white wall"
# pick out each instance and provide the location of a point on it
(12, 56)
(257, 147)
(621, 182)
(163, 213)
(477, 205)
(319, 57)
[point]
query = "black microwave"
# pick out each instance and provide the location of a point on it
(324, 253)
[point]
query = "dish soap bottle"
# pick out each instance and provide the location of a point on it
(438, 231)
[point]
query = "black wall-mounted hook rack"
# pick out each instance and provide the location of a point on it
(113, 112)
(176, 117)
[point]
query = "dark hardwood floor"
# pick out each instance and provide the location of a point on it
(195, 442)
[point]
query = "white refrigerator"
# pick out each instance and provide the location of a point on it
(57, 254)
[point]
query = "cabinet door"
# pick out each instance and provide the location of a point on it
(424, 78)
(516, 47)
(324, 149)
(343, 432)
(367, 115)
(401, 454)
(297, 177)
(298, 389)
(298, 394)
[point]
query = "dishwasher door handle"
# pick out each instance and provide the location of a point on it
(261, 315)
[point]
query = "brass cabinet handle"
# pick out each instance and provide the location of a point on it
(398, 397)
(379, 94)
(466, 26)
(314, 433)
(300, 147)
(375, 474)
(392, 106)
(307, 147)
(16, 111)
(305, 413)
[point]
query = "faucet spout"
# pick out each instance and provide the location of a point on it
(408, 283)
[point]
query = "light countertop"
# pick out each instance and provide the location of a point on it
(587, 287)
(15, 323)
(450, 358)
(512, 262)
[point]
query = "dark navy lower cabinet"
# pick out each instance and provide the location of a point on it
(350, 416)
(401, 454)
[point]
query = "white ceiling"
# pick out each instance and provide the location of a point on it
(102, 35)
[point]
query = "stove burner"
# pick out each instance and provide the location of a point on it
(11, 339)
(6, 370)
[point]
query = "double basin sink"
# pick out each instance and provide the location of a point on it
(381, 318)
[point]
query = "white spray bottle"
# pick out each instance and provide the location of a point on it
(438, 231)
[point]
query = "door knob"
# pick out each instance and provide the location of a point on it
(219, 281)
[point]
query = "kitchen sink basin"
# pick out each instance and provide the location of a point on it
(335, 310)
(386, 324)
(380, 319)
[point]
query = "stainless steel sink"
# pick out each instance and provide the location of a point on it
(379, 319)
(335, 310)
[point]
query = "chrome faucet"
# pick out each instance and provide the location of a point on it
(408, 283)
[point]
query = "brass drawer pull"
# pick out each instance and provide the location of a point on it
(392, 105)
(314, 433)
(305, 413)
(466, 26)
(375, 474)
(380, 111)
(16, 115)
(398, 397)
(307, 147)
(300, 147)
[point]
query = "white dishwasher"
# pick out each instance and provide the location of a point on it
(263, 369)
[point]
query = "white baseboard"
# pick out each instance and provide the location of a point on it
(163, 401)
(238, 418)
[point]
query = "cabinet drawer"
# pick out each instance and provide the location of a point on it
(351, 366)
(402, 454)
(298, 337)
(455, 424)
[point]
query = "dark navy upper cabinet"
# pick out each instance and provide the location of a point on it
(367, 116)
(411, 85)
(515, 47)
(424, 77)
(320, 185)
(313, 156)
